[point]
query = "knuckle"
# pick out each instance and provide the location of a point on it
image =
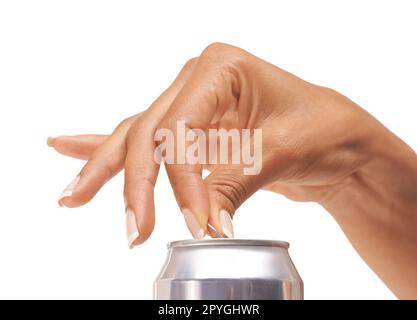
(126, 123)
(225, 61)
(190, 64)
(230, 189)
(216, 48)
(129, 127)
(139, 130)
(222, 52)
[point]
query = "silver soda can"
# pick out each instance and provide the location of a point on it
(228, 269)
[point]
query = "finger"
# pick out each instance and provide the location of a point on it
(80, 146)
(105, 162)
(205, 96)
(191, 195)
(141, 172)
(141, 169)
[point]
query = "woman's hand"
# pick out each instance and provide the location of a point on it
(317, 145)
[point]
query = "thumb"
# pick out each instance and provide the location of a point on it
(228, 187)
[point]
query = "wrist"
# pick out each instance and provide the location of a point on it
(387, 180)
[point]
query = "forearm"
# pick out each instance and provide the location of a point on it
(377, 209)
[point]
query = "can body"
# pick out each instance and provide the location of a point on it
(228, 269)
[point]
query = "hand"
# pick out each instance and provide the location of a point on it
(317, 145)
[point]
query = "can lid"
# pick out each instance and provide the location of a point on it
(228, 242)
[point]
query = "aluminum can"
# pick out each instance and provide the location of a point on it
(228, 269)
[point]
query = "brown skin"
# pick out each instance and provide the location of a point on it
(317, 146)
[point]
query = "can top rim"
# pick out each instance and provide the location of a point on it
(228, 242)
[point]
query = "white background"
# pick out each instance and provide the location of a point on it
(69, 67)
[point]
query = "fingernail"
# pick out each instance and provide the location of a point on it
(214, 232)
(226, 223)
(131, 228)
(50, 141)
(68, 191)
(192, 224)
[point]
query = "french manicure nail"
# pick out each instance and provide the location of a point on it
(68, 191)
(131, 228)
(193, 225)
(226, 223)
(50, 141)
